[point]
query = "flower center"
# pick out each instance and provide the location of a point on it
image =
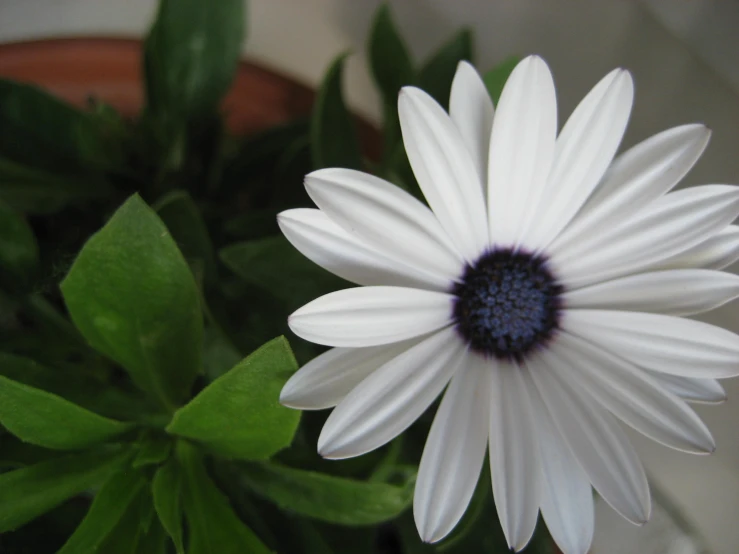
(508, 304)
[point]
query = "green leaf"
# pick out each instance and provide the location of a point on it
(182, 218)
(334, 139)
(328, 498)
(108, 508)
(166, 488)
(390, 62)
(239, 415)
(48, 420)
(31, 491)
(437, 74)
(133, 297)
(31, 190)
(273, 263)
(92, 394)
(135, 533)
(191, 54)
(153, 450)
(496, 78)
(392, 68)
(38, 130)
(219, 354)
(18, 249)
(213, 525)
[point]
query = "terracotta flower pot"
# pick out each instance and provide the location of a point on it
(76, 69)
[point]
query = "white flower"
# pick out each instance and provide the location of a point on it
(542, 289)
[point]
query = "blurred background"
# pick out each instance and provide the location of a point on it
(684, 55)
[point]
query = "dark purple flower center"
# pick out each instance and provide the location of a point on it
(508, 304)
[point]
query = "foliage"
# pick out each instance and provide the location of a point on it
(144, 291)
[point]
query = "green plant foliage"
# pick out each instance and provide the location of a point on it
(328, 498)
(437, 74)
(31, 491)
(213, 525)
(166, 489)
(18, 249)
(106, 511)
(334, 141)
(38, 130)
(185, 223)
(49, 420)
(37, 191)
(392, 68)
(134, 299)
(390, 62)
(191, 54)
(75, 386)
(273, 263)
(495, 78)
(238, 415)
(152, 450)
(136, 532)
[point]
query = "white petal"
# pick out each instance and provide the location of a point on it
(584, 150)
(390, 399)
(327, 379)
(692, 389)
(672, 224)
(566, 495)
(636, 177)
(369, 316)
(672, 345)
(521, 149)
(328, 245)
(471, 110)
(454, 453)
(514, 454)
(717, 252)
(672, 292)
(600, 446)
(386, 217)
(632, 395)
(444, 169)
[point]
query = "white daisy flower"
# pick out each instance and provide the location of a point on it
(542, 290)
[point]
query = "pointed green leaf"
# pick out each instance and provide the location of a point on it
(239, 415)
(135, 533)
(273, 263)
(390, 62)
(496, 78)
(31, 491)
(48, 420)
(392, 68)
(18, 249)
(328, 498)
(437, 74)
(92, 394)
(31, 190)
(334, 141)
(182, 218)
(191, 53)
(133, 297)
(108, 508)
(213, 525)
(166, 488)
(39, 130)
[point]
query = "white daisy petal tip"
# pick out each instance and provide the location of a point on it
(291, 398)
(432, 531)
